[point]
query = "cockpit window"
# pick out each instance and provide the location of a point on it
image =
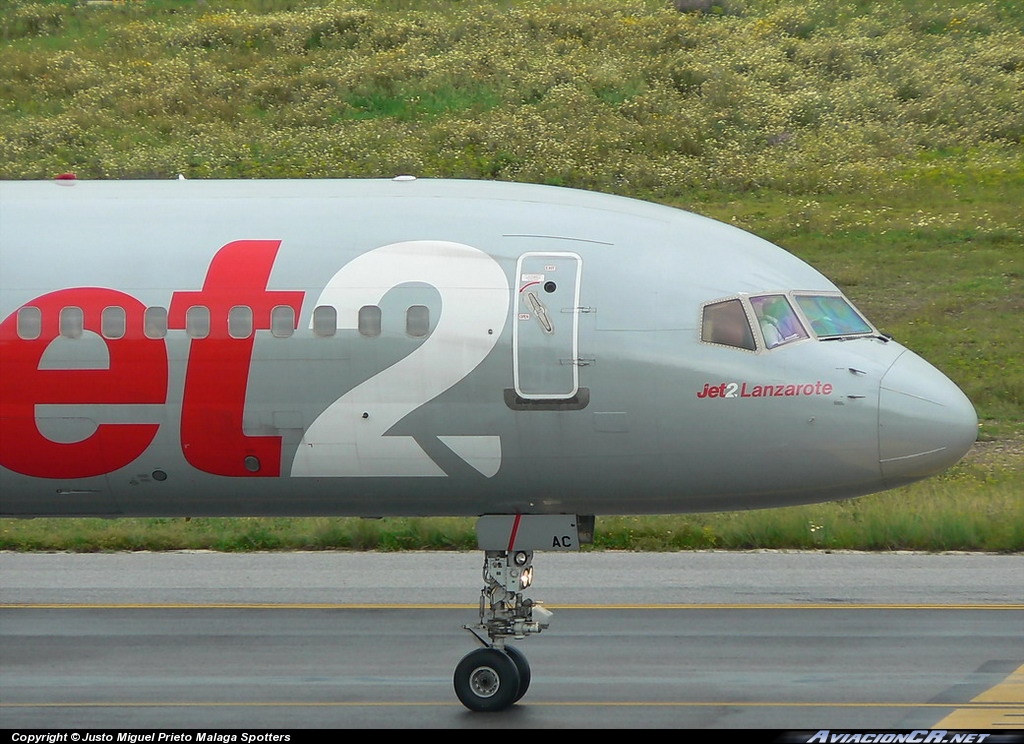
(778, 321)
(832, 315)
(726, 323)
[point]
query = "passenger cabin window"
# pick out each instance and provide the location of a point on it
(325, 321)
(112, 322)
(197, 321)
(832, 315)
(777, 320)
(72, 321)
(726, 323)
(369, 320)
(282, 321)
(417, 320)
(155, 322)
(240, 321)
(30, 323)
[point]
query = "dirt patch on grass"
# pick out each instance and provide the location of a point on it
(1006, 451)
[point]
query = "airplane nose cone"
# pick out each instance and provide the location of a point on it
(925, 422)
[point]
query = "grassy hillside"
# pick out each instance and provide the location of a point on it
(881, 141)
(632, 97)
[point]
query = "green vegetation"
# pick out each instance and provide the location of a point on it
(975, 507)
(880, 141)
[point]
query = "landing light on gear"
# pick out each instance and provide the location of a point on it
(496, 676)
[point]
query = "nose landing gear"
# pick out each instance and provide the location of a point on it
(497, 675)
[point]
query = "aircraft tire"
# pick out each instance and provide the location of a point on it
(486, 680)
(523, 667)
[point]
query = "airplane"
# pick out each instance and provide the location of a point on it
(530, 356)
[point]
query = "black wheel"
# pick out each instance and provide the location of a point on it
(523, 666)
(487, 680)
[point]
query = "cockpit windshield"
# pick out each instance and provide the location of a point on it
(778, 321)
(780, 318)
(831, 316)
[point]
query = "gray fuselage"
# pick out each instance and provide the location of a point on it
(423, 347)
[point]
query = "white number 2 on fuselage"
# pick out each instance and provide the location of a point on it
(474, 291)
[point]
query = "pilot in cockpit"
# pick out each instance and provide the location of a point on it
(777, 320)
